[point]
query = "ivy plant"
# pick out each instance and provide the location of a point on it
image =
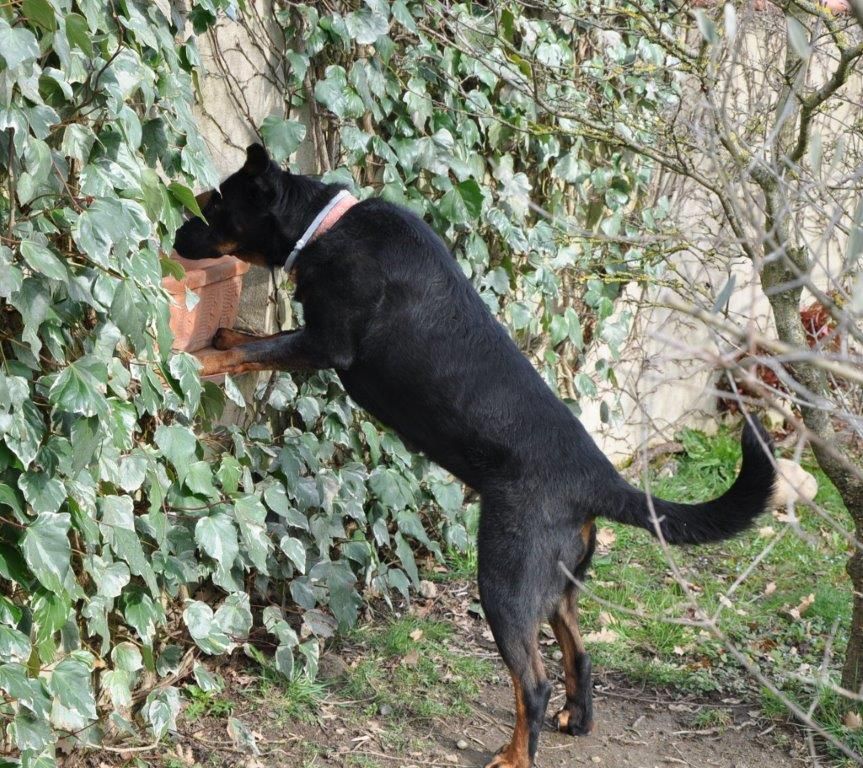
(132, 527)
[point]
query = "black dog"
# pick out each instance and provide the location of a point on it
(389, 309)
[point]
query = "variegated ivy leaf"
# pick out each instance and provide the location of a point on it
(161, 710)
(47, 551)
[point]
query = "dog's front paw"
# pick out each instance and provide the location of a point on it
(504, 760)
(572, 719)
(226, 338)
(508, 757)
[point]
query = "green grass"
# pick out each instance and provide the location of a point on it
(205, 704)
(635, 575)
(297, 699)
(409, 671)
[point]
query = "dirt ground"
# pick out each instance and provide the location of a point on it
(636, 727)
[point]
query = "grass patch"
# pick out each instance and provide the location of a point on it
(409, 670)
(205, 704)
(297, 699)
(757, 616)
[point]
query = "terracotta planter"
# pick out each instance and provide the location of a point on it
(218, 283)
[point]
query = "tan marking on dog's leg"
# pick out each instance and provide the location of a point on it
(515, 754)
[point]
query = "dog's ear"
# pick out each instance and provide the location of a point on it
(257, 160)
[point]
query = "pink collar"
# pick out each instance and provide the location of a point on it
(335, 213)
(326, 219)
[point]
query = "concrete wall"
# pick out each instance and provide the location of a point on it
(667, 371)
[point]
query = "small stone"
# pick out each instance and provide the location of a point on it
(385, 710)
(461, 744)
(596, 759)
(557, 655)
(428, 590)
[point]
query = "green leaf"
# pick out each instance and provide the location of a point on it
(295, 550)
(43, 493)
(217, 536)
(251, 515)
(78, 32)
(12, 565)
(127, 657)
(365, 26)
(77, 142)
(80, 388)
(344, 601)
(208, 636)
(111, 578)
(31, 732)
(406, 555)
(178, 444)
(42, 260)
(74, 703)
(161, 710)
(50, 613)
(118, 528)
(207, 682)
(40, 12)
(9, 498)
(282, 137)
(185, 197)
(472, 196)
(142, 614)
(233, 392)
(229, 473)
(17, 45)
(185, 369)
(14, 645)
(234, 617)
(47, 551)
(199, 479)
(391, 487)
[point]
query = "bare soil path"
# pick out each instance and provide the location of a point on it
(430, 690)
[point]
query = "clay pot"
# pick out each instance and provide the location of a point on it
(218, 283)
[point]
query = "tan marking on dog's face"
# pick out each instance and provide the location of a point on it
(228, 247)
(203, 198)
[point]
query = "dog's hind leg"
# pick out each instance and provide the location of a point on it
(532, 691)
(508, 611)
(576, 716)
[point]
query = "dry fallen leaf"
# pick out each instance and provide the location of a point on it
(766, 532)
(805, 605)
(606, 619)
(416, 635)
(411, 658)
(605, 537)
(603, 636)
(770, 588)
(853, 721)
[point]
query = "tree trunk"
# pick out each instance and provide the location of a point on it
(852, 670)
(784, 263)
(838, 468)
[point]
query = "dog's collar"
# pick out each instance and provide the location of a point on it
(326, 219)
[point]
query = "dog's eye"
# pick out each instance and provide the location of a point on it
(214, 203)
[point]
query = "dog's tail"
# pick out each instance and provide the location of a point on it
(714, 520)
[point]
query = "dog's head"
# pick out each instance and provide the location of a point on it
(246, 216)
